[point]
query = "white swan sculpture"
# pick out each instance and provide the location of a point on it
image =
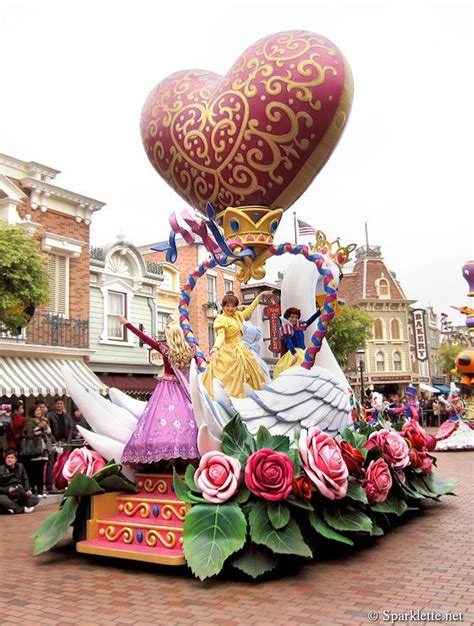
(299, 397)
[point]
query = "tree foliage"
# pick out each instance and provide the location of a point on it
(349, 331)
(23, 277)
(447, 355)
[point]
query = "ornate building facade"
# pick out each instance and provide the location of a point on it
(372, 287)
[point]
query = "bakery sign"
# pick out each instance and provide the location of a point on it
(419, 326)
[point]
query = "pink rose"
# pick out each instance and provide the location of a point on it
(82, 461)
(323, 462)
(269, 474)
(395, 448)
(218, 476)
(378, 481)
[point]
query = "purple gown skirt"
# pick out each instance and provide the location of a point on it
(167, 427)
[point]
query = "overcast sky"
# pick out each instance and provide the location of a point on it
(75, 75)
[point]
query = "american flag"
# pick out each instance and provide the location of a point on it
(305, 229)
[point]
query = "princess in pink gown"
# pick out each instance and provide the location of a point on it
(167, 427)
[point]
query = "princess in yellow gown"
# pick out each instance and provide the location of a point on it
(231, 361)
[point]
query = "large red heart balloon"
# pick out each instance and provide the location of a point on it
(259, 134)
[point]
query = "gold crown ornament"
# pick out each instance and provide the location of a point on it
(333, 250)
(251, 227)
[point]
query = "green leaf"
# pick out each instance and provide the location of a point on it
(109, 470)
(391, 505)
(181, 489)
(280, 443)
(288, 540)
(347, 518)
(279, 514)
(356, 492)
(211, 533)
(255, 561)
(419, 485)
(372, 454)
(236, 440)
(300, 503)
(326, 531)
(82, 485)
(242, 496)
(355, 439)
(189, 478)
(438, 485)
(116, 482)
(376, 530)
(295, 459)
(55, 526)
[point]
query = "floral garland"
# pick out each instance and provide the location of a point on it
(265, 498)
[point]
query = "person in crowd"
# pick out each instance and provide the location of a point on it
(14, 429)
(43, 406)
(15, 492)
(79, 420)
(5, 418)
(231, 361)
(38, 433)
(61, 423)
(436, 411)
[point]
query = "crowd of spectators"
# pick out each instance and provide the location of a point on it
(29, 447)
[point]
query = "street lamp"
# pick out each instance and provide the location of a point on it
(361, 361)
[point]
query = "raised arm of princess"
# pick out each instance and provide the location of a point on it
(231, 361)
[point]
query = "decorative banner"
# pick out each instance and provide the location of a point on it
(419, 325)
(273, 311)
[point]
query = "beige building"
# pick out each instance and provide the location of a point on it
(372, 287)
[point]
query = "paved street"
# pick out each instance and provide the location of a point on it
(425, 564)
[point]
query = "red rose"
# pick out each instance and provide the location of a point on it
(378, 481)
(302, 487)
(420, 459)
(415, 434)
(353, 459)
(269, 474)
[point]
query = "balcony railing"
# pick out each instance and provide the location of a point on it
(52, 329)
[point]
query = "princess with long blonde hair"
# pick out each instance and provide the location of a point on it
(167, 429)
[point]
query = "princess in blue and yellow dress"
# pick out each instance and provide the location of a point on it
(231, 361)
(292, 331)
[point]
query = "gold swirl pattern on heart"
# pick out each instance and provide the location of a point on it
(260, 134)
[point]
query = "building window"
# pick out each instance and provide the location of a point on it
(211, 289)
(58, 282)
(378, 329)
(397, 361)
(228, 285)
(161, 321)
(380, 362)
(382, 287)
(395, 329)
(211, 335)
(116, 306)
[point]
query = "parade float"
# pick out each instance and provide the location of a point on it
(283, 472)
(457, 432)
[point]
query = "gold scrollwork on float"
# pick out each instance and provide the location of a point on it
(167, 539)
(170, 510)
(131, 508)
(150, 485)
(111, 533)
(229, 139)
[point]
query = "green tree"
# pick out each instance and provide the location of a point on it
(23, 277)
(447, 355)
(349, 331)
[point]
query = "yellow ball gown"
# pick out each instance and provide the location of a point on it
(234, 364)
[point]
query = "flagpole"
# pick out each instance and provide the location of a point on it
(294, 225)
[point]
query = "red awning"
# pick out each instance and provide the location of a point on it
(130, 384)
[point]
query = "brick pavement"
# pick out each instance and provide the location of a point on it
(424, 564)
